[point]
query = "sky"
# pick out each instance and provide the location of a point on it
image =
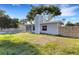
(70, 12)
(16, 10)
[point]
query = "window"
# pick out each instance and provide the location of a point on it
(44, 28)
(33, 27)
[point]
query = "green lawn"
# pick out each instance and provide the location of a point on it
(36, 44)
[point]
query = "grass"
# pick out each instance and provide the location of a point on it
(37, 44)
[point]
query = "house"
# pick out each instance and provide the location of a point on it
(43, 26)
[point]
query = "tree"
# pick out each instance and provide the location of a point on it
(69, 24)
(14, 23)
(23, 21)
(7, 22)
(63, 20)
(55, 11)
(77, 24)
(2, 17)
(4, 21)
(2, 13)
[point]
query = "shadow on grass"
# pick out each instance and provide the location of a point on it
(22, 48)
(60, 36)
(67, 36)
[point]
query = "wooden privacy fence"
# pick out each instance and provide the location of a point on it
(72, 31)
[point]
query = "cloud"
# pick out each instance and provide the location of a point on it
(73, 19)
(35, 4)
(63, 5)
(69, 11)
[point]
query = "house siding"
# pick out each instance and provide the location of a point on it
(51, 28)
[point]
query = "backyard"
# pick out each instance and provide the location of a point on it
(37, 44)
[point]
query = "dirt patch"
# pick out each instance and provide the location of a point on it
(44, 39)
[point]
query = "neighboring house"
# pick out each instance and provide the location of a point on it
(43, 26)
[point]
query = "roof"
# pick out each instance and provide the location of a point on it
(53, 22)
(47, 22)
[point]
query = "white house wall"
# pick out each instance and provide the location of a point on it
(51, 28)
